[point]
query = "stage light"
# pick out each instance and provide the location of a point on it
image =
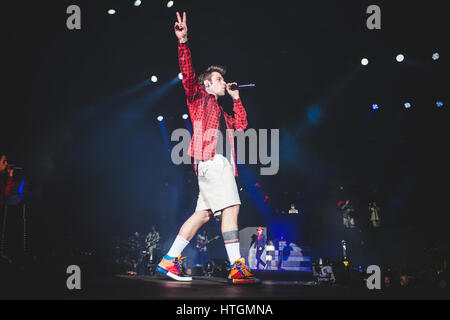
(180, 76)
(154, 78)
(435, 56)
(407, 105)
(160, 118)
(439, 104)
(137, 3)
(169, 4)
(400, 57)
(364, 61)
(185, 116)
(111, 11)
(375, 106)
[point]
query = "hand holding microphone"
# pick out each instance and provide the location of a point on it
(11, 167)
(233, 88)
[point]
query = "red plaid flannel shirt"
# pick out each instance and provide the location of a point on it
(7, 191)
(205, 113)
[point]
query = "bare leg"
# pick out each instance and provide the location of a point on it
(190, 227)
(230, 232)
(170, 265)
(230, 218)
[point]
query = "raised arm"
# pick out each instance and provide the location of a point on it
(189, 80)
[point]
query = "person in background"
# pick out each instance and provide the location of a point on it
(152, 242)
(374, 211)
(348, 214)
(202, 247)
(293, 210)
(405, 281)
(387, 282)
(260, 244)
(6, 178)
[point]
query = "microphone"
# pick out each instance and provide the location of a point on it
(14, 167)
(235, 87)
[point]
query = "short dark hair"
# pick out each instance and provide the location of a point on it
(206, 75)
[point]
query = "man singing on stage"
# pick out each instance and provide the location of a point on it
(216, 174)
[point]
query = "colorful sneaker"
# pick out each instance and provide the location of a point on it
(240, 274)
(171, 267)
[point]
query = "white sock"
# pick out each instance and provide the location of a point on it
(178, 246)
(233, 251)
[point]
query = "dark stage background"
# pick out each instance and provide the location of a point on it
(79, 114)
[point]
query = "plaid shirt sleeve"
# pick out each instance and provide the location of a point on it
(239, 121)
(189, 80)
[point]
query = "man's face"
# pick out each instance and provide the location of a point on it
(3, 163)
(216, 85)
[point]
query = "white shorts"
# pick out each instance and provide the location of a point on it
(218, 189)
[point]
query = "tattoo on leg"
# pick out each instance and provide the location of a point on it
(231, 236)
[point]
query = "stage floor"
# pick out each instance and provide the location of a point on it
(273, 286)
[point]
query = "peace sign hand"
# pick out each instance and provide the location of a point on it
(181, 27)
